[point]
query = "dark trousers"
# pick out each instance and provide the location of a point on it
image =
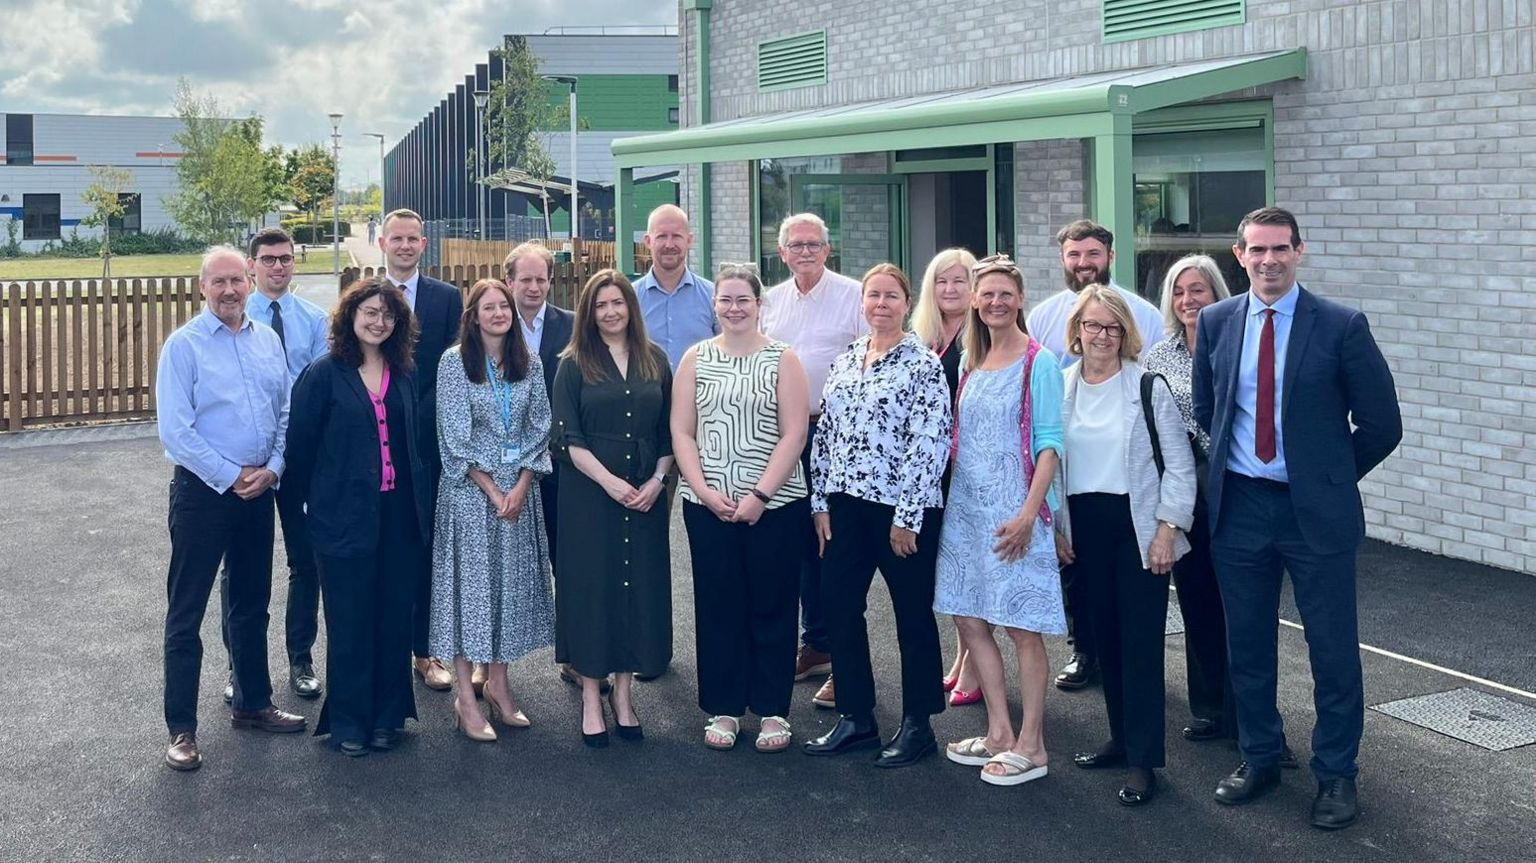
(207, 527)
(368, 604)
(812, 623)
(744, 592)
(861, 541)
(421, 607)
(1128, 607)
(301, 618)
(1205, 627)
(549, 496)
(1079, 622)
(1258, 538)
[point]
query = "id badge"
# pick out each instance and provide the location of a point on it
(509, 454)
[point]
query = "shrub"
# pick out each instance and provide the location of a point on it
(12, 247)
(164, 241)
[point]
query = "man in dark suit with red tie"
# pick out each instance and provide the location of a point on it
(1300, 406)
(438, 306)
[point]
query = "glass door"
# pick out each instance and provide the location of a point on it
(865, 216)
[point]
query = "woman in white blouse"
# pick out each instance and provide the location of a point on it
(875, 468)
(1138, 496)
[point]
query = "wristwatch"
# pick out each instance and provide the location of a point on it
(758, 493)
(1171, 526)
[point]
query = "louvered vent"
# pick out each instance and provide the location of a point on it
(794, 61)
(1138, 19)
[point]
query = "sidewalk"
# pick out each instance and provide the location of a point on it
(363, 254)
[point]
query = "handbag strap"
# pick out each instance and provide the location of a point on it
(1146, 414)
(1026, 423)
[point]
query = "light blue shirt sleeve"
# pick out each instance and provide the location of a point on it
(1045, 397)
(176, 416)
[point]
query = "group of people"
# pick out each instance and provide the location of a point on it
(1041, 470)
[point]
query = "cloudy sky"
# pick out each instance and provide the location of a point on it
(382, 63)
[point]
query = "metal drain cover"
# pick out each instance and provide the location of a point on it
(1476, 717)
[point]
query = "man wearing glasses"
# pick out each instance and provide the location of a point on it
(818, 313)
(301, 327)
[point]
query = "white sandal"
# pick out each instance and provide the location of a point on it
(1018, 769)
(717, 725)
(972, 752)
(773, 741)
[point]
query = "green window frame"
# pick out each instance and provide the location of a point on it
(1125, 20)
(792, 61)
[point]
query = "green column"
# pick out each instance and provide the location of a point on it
(701, 223)
(1114, 196)
(623, 200)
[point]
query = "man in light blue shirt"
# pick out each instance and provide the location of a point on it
(677, 304)
(221, 393)
(1241, 457)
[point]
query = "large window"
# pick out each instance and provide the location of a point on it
(39, 217)
(131, 221)
(852, 194)
(18, 139)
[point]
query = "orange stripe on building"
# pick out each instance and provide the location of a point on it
(53, 158)
(159, 155)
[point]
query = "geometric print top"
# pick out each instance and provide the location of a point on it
(737, 399)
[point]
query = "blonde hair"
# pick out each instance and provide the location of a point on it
(1115, 304)
(523, 250)
(927, 320)
(1207, 266)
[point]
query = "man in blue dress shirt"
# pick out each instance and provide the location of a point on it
(677, 304)
(221, 393)
(302, 328)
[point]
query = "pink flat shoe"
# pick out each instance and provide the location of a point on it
(961, 697)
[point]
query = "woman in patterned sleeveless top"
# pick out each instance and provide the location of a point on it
(739, 412)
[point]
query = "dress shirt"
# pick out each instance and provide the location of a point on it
(222, 399)
(1241, 457)
(533, 333)
(304, 328)
(884, 434)
(819, 324)
(1047, 322)
(408, 287)
(681, 319)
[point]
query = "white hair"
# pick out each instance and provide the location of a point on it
(1206, 266)
(802, 219)
(216, 252)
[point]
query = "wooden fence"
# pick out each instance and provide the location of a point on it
(564, 283)
(595, 254)
(85, 350)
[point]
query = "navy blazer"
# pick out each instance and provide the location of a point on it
(333, 457)
(439, 308)
(1335, 377)
(558, 324)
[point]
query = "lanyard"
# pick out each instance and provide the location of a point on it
(502, 388)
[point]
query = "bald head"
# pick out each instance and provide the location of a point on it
(668, 238)
(664, 214)
(216, 253)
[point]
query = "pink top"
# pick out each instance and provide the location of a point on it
(378, 411)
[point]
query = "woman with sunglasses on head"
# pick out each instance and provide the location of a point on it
(997, 556)
(739, 413)
(875, 468)
(355, 464)
(491, 599)
(940, 321)
(613, 395)
(1130, 484)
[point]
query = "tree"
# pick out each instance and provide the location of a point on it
(518, 114)
(311, 177)
(108, 200)
(226, 180)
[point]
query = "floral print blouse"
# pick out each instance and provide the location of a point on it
(884, 433)
(1171, 359)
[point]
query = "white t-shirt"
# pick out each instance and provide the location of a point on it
(1095, 438)
(1047, 322)
(819, 324)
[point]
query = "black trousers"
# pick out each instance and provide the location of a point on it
(812, 621)
(1079, 621)
(368, 603)
(1205, 627)
(549, 496)
(1128, 607)
(207, 527)
(744, 596)
(861, 541)
(301, 618)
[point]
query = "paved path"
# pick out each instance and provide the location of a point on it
(83, 541)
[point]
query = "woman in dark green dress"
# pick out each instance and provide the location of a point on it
(613, 581)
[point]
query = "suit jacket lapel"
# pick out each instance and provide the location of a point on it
(1232, 348)
(354, 379)
(1296, 346)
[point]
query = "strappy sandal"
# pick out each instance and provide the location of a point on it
(724, 727)
(773, 740)
(1017, 770)
(972, 752)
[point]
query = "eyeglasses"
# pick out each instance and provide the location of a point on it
(802, 248)
(735, 302)
(373, 316)
(274, 260)
(1094, 328)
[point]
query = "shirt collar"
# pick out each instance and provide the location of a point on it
(538, 319)
(409, 284)
(1286, 305)
(261, 301)
(650, 281)
(211, 323)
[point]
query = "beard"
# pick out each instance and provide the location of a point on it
(1101, 277)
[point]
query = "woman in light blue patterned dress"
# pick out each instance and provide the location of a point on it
(491, 597)
(997, 554)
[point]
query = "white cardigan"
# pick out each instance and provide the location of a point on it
(1170, 498)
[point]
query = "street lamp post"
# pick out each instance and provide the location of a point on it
(481, 201)
(336, 196)
(570, 81)
(380, 136)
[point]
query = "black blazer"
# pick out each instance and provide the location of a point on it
(557, 334)
(439, 306)
(333, 457)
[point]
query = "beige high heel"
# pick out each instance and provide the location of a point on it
(515, 719)
(482, 735)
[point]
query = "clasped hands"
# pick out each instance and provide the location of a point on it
(638, 499)
(253, 481)
(746, 511)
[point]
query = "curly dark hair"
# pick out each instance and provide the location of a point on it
(397, 348)
(514, 349)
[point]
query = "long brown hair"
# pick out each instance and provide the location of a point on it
(587, 343)
(514, 351)
(397, 348)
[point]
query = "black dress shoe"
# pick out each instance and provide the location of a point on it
(384, 739)
(352, 748)
(1247, 784)
(1110, 755)
(302, 679)
(1135, 793)
(913, 741)
(1077, 673)
(847, 735)
(1200, 729)
(1288, 758)
(1335, 805)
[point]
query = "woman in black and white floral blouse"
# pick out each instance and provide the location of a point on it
(875, 467)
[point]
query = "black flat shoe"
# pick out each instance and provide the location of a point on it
(595, 741)
(352, 748)
(1199, 730)
(847, 735)
(1247, 784)
(1108, 756)
(1132, 795)
(384, 739)
(1336, 805)
(913, 741)
(631, 733)
(1077, 673)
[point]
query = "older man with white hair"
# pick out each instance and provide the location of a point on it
(222, 401)
(818, 313)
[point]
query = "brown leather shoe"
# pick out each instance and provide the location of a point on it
(433, 673)
(809, 662)
(826, 696)
(268, 718)
(182, 754)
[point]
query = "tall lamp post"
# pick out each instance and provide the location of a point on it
(380, 136)
(570, 81)
(336, 196)
(481, 202)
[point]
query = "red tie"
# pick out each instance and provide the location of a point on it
(1264, 411)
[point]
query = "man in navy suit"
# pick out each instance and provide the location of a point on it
(1300, 405)
(438, 306)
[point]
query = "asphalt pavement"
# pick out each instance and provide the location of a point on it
(83, 553)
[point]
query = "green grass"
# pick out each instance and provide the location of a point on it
(134, 266)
